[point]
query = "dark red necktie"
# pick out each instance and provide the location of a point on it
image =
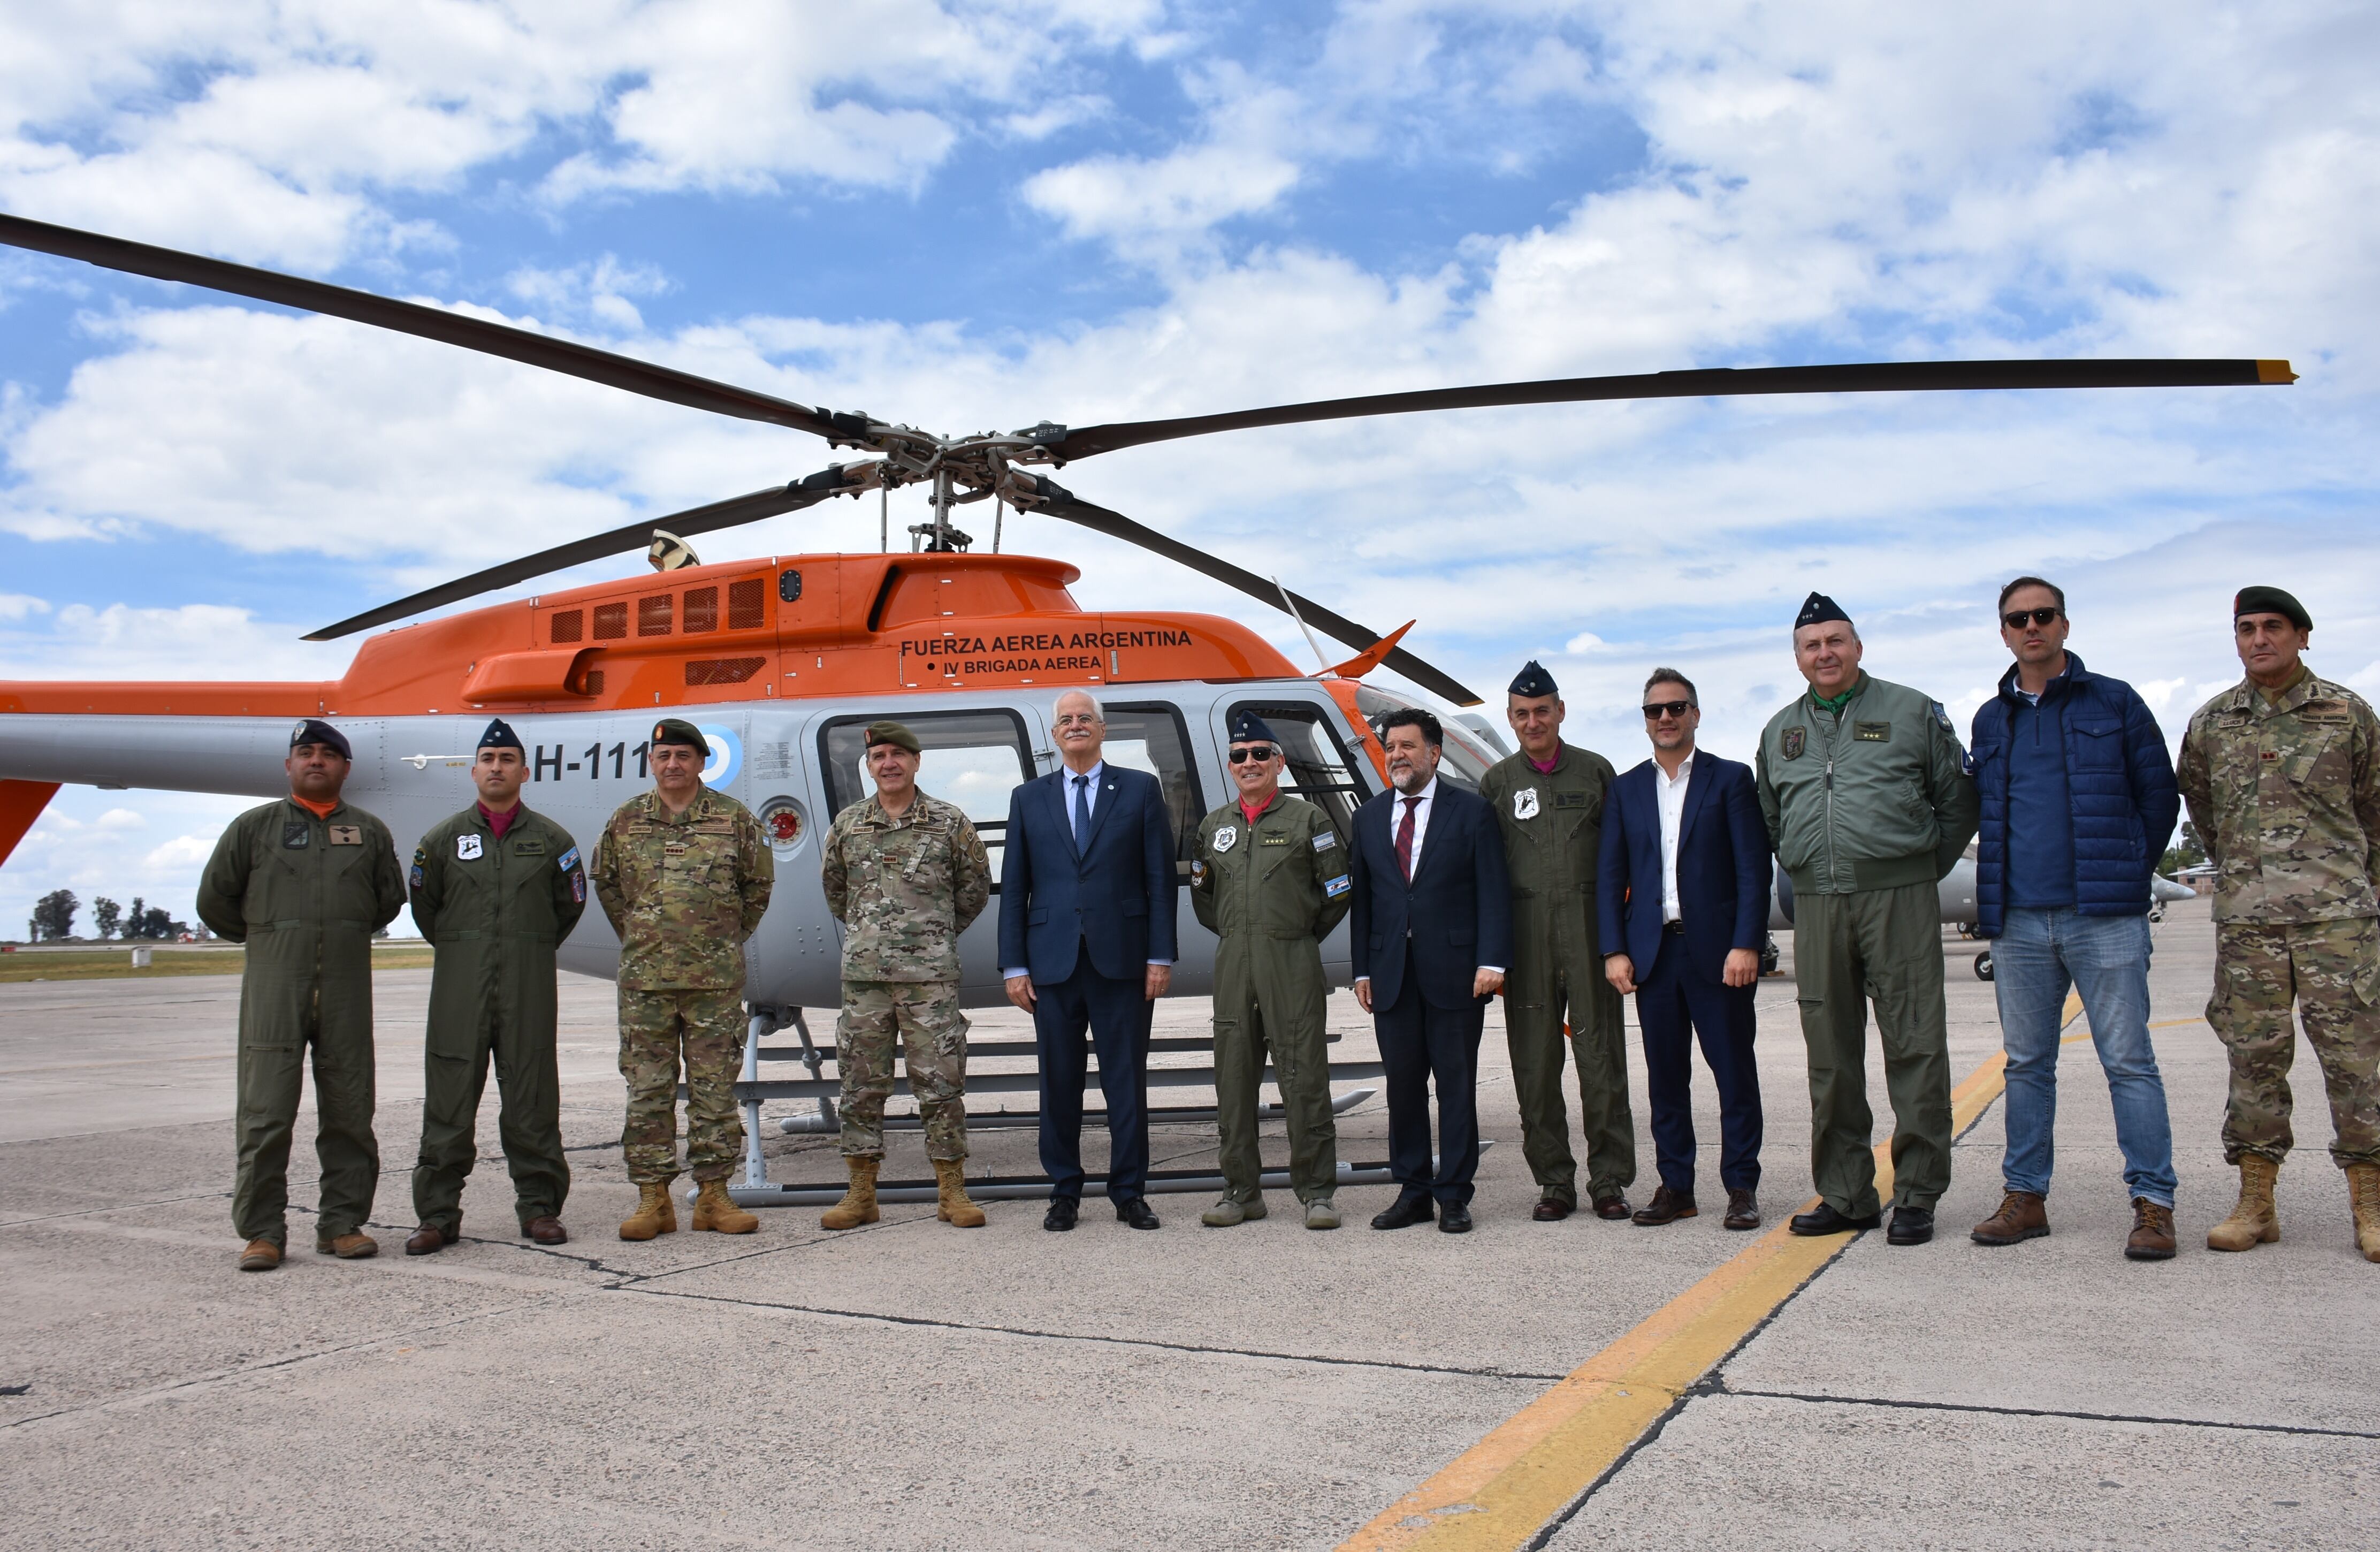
(1405, 837)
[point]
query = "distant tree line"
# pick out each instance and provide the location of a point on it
(54, 916)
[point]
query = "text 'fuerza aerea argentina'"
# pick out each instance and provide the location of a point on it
(983, 654)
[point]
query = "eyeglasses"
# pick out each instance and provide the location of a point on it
(2015, 619)
(1260, 753)
(1661, 709)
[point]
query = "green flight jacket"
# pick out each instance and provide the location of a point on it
(1875, 799)
(305, 895)
(1285, 876)
(495, 912)
(1552, 826)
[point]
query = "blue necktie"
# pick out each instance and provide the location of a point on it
(1082, 810)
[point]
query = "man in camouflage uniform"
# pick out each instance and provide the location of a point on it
(684, 874)
(305, 882)
(495, 891)
(2282, 776)
(1548, 802)
(904, 874)
(1270, 879)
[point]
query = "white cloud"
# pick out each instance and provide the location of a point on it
(121, 819)
(182, 852)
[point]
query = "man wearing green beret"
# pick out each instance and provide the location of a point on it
(684, 874)
(905, 874)
(2282, 775)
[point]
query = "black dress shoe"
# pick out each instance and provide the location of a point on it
(1911, 1225)
(1667, 1206)
(1552, 1209)
(1060, 1215)
(1408, 1211)
(1614, 1206)
(1454, 1218)
(1823, 1219)
(1136, 1211)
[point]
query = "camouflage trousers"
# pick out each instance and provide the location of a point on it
(923, 1017)
(656, 1028)
(2331, 970)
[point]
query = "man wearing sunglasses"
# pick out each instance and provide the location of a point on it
(2078, 798)
(1868, 806)
(1270, 878)
(1684, 908)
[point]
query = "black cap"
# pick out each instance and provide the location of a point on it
(500, 735)
(2271, 601)
(315, 731)
(1247, 727)
(670, 730)
(891, 732)
(1817, 609)
(1533, 681)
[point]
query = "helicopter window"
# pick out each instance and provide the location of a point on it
(1150, 737)
(744, 604)
(701, 610)
(611, 621)
(566, 626)
(1317, 769)
(653, 615)
(973, 759)
(1461, 762)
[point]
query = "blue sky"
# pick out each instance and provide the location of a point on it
(984, 215)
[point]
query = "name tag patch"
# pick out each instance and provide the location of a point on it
(467, 846)
(528, 848)
(1569, 799)
(1872, 732)
(347, 834)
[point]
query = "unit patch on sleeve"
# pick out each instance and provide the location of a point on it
(1326, 840)
(1333, 888)
(567, 860)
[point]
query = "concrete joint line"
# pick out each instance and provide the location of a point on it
(1030, 1334)
(1723, 1388)
(1531, 1474)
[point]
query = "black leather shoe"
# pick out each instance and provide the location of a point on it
(1552, 1209)
(1911, 1225)
(1454, 1218)
(1823, 1219)
(1409, 1210)
(1137, 1212)
(1614, 1206)
(1060, 1215)
(1667, 1206)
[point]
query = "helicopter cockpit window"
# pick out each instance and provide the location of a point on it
(973, 759)
(1463, 760)
(1317, 769)
(1151, 739)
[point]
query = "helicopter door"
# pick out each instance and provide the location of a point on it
(975, 759)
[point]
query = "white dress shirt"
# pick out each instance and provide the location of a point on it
(1671, 790)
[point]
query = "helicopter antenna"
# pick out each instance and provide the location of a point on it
(1310, 641)
(884, 517)
(998, 516)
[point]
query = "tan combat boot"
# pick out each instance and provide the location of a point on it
(957, 1210)
(2252, 1222)
(858, 1204)
(715, 1210)
(655, 1213)
(2363, 1193)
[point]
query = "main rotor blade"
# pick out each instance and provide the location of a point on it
(618, 541)
(1874, 377)
(1059, 502)
(405, 317)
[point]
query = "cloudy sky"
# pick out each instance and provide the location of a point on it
(969, 216)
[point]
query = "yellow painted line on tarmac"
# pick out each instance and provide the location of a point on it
(1501, 1492)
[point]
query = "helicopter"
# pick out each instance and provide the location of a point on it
(782, 661)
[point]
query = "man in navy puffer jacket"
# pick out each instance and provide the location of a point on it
(2078, 800)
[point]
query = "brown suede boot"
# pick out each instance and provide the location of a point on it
(858, 1204)
(715, 1210)
(2152, 1236)
(2252, 1222)
(260, 1255)
(655, 1213)
(2364, 1195)
(957, 1210)
(2023, 1215)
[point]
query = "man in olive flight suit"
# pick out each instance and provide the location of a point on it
(2282, 775)
(1548, 801)
(495, 891)
(684, 874)
(1270, 879)
(1869, 806)
(305, 882)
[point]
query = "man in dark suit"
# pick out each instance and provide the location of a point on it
(1086, 898)
(1683, 907)
(1432, 935)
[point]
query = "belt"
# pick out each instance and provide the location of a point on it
(1675, 929)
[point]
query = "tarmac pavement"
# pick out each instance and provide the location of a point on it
(913, 1385)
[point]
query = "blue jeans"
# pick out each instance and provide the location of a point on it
(2038, 955)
